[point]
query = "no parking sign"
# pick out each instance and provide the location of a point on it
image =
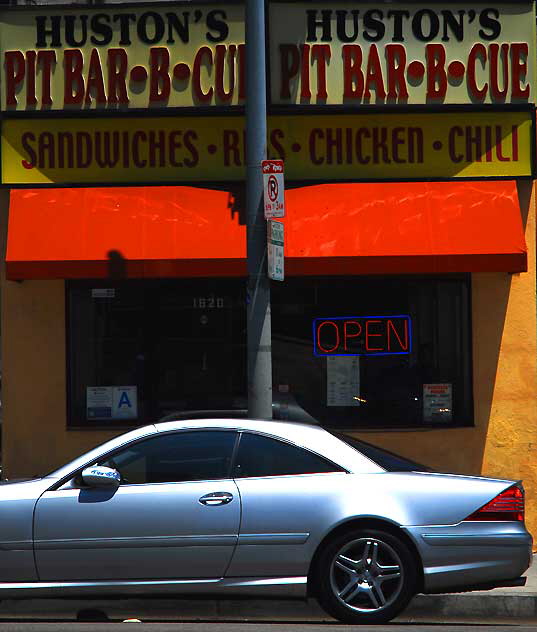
(273, 188)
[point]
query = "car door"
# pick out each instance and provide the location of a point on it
(288, 502)
(175, 514)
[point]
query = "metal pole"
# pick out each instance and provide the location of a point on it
(258, 299)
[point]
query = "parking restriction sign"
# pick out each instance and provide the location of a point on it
(275, 239)
(273, 188)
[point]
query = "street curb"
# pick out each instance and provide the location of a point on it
(474, 605)
(465, 606)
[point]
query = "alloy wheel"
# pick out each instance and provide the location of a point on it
(366, 575)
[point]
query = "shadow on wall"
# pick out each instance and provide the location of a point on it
(117, 265)
(491, 299)
(524, 190)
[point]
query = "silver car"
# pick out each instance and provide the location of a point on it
(260, 508)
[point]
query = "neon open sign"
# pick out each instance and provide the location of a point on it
(362, 335)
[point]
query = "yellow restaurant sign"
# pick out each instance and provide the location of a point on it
(122, 58)
(192, 54)
(316, 147)
(402, 53)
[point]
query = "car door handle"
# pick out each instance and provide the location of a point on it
(216, 498)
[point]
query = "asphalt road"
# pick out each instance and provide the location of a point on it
(167, 615)
(210, 626)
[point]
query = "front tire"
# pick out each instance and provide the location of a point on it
(366, 576)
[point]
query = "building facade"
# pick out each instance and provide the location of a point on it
(408, 311)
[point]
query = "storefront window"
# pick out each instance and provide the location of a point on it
(348, 352)
(139, 350)
(373, 352)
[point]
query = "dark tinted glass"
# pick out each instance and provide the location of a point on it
(178, 344)
(378, 389)
(182, 456)
(262, 456)
(388, 460)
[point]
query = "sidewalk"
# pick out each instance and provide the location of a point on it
(501, 603)
(515, 605)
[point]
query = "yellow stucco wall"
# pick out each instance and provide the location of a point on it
(503, 442)
(34, 438)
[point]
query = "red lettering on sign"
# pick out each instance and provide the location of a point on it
(373, 75)
(74, 85)
(369, 334)
(231, 148)
(117, 76)
(392, 331)
(362, 335)
(495, 65)
(220, 65)
(519, 56)
(375, 72)
(353, 77)
(15, 69)
(396, 67)
(46, 59)
(347, 333)
(321, 54)
(203, 56)
(31, 57)
(435, 57)
(289, 66)
(319, 328)
(159, 75)
(95, 83)
(477, 53)
(305, 92)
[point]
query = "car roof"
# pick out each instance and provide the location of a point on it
(283, 429)
(308, 436)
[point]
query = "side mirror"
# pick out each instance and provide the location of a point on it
(100, 476)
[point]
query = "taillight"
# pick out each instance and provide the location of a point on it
(509, 505)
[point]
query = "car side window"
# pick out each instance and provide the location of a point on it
(263, 456)
(176, 457)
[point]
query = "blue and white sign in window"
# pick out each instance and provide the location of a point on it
(111, 402)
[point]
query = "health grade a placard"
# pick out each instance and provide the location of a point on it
(111, 402)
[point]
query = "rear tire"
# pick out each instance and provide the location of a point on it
(365, 576)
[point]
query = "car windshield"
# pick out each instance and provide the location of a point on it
(387, 460)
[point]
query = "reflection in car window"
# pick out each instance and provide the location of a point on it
(263, 456)
(181, 456)
(388, 460)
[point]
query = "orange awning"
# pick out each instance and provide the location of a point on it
(364, 228)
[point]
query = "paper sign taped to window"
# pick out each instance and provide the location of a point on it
(111, 402)
(342, 381)
(103, 292)
(437, 402)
